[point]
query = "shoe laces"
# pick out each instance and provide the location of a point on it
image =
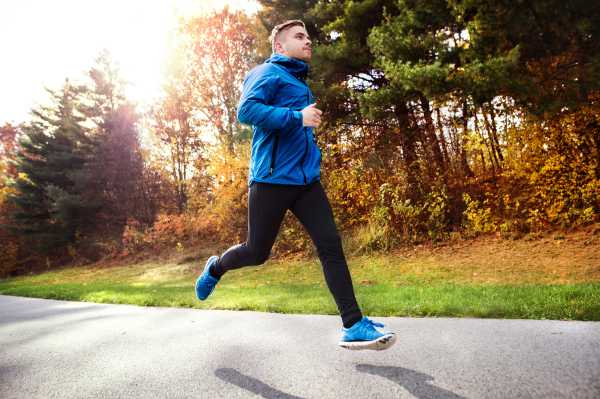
(210, 283)
(370, 324)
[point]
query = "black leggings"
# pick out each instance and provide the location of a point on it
(267, 206)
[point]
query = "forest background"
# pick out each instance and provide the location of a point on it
(441, 118)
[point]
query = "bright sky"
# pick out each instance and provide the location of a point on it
(42, 42)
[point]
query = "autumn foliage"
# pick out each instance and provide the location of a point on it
(441, 118)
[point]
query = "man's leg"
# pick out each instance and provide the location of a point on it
(314, 212)
(267, 205)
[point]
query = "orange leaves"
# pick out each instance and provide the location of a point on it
(8, 146)
(216, 52)
(168, 231)
(196, 120)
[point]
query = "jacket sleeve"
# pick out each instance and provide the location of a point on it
(254, 109)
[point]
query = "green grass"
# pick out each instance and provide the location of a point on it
(298, 287)
(573, 302)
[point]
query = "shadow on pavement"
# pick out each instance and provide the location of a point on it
(413, 381)
(251, 384)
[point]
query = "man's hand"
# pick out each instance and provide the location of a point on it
(311, 116)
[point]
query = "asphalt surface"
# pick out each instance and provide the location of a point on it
(85, 350)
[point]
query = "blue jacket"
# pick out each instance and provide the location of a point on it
(283, 152)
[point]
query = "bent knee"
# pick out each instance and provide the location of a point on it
(258, 259)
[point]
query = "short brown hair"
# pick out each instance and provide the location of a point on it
(278, 29)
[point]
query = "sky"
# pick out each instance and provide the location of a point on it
(43, 42)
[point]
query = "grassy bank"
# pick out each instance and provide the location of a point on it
(572, 302)
(549, 278)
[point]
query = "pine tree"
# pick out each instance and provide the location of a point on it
(545, 54)
(113, 176)
(79, 163)
(53, 152)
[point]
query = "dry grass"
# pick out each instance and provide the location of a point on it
(551, 259)
(489, 260)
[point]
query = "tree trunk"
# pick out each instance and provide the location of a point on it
(463, 152)
(442, 138)
(432, 139)
(483, 141)
(407, 139)
(495, 133)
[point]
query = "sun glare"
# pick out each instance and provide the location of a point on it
(51, 41)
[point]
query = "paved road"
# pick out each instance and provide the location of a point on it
(85, 350)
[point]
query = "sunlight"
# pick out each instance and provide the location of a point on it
(51, 41)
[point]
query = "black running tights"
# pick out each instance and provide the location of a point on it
(267, 206)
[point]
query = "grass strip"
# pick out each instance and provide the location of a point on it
(569, 301)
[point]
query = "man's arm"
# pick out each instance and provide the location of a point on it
(254, 110)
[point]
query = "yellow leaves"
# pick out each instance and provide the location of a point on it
(480, 219)
(9, 257)
(23, 176)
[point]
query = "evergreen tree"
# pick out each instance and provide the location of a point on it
(114, 174)
(52, 156)
(79, 163)
(545, 54)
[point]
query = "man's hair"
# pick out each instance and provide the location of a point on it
(278, 30)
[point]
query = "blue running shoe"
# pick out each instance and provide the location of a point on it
(363, 335)
(205, 284)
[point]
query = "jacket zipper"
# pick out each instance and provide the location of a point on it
(306, 137)
(273, 155)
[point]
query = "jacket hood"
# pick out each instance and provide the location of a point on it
(295, 67)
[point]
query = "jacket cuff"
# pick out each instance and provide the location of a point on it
(298, 118)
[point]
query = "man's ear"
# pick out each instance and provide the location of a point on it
(278, 48)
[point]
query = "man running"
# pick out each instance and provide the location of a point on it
(284, 174)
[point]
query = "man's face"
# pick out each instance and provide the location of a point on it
(294, 44)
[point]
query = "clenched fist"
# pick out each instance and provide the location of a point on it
(311, 116)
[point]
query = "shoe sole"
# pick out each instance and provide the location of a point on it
(196, 286)
(379, 344)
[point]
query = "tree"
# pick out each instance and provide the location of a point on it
(79, 163)
(218, 53)
(177, 146)
(544, 54)
(113, 177)
(13, 252)
(196, 120)
(8, 146)
(52, 155)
